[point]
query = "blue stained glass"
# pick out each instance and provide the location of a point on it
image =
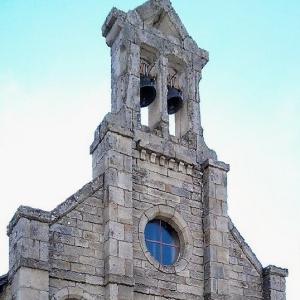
(154, 249)
(169, 236)
(162, 242)
(169, 255)
(152, 231)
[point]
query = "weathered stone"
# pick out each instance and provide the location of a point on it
(93, 245)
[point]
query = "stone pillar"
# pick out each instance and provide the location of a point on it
(274, 283)
(216, 230)
(28, 258)
(116, 165)
(188, 117)
(158, 116)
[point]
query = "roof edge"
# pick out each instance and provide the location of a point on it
(65, 207)
(245, 247)
(277, 271)
(114, 15)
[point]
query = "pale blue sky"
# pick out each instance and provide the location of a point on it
(55, 89)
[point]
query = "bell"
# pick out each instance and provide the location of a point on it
(175, 100)
(147, 90)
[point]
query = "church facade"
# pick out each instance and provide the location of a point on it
(153, 223)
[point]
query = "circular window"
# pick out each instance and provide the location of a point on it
(162, 242)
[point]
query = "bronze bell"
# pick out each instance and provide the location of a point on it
(175, 100)
(147, 90)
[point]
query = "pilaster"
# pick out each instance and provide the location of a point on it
(114, 160)
(28, 244)
(274, 283)
(216, 230)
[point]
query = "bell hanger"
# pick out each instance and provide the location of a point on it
(174, 98)
(147, 84)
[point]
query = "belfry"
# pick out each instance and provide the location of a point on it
(153, 222)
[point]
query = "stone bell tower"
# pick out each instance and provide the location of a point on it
(153, 175)
(153, 223)
(151, 41)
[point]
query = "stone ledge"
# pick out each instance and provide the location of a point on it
(108, 124)
(119, 279)
(216, 164)
(29, 263)
(277, 271)
(31, 214)
(114, 15)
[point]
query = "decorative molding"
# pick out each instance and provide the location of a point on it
(153, 157)
(169, 162)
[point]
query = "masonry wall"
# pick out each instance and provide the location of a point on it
(164, 187)
(161, 183)
(76, 250)
(92, 246)
(245, 280)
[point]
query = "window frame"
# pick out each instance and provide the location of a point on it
(174, 219)
(160, 241)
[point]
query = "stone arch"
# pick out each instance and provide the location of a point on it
(71, 293)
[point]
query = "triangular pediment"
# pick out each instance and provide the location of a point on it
(159, 14)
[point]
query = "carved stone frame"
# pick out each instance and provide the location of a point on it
(172, 217)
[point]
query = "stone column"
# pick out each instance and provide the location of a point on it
(215, 227)
(188, 118)
(116, 165)
(274, 283)
(157, 115)
(28, 258)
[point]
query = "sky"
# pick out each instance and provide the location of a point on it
(55, 90)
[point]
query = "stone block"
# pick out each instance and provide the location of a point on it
(115, 230)
(221, 192)
(44, 251)
(115, 265)
(81, 242)
(39, 231)
(213, 237)
(125, 215)
(223, 255)
(125, 250)
(125, 293)
(27, 293)
(116, 195)
(223, 287)
(222, 224)
(32, 278)
(30, 248)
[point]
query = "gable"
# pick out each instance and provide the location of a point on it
(161, 16)
(166, 26)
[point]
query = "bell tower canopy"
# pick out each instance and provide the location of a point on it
(157, 16)
(155, 66)
(162, 16)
